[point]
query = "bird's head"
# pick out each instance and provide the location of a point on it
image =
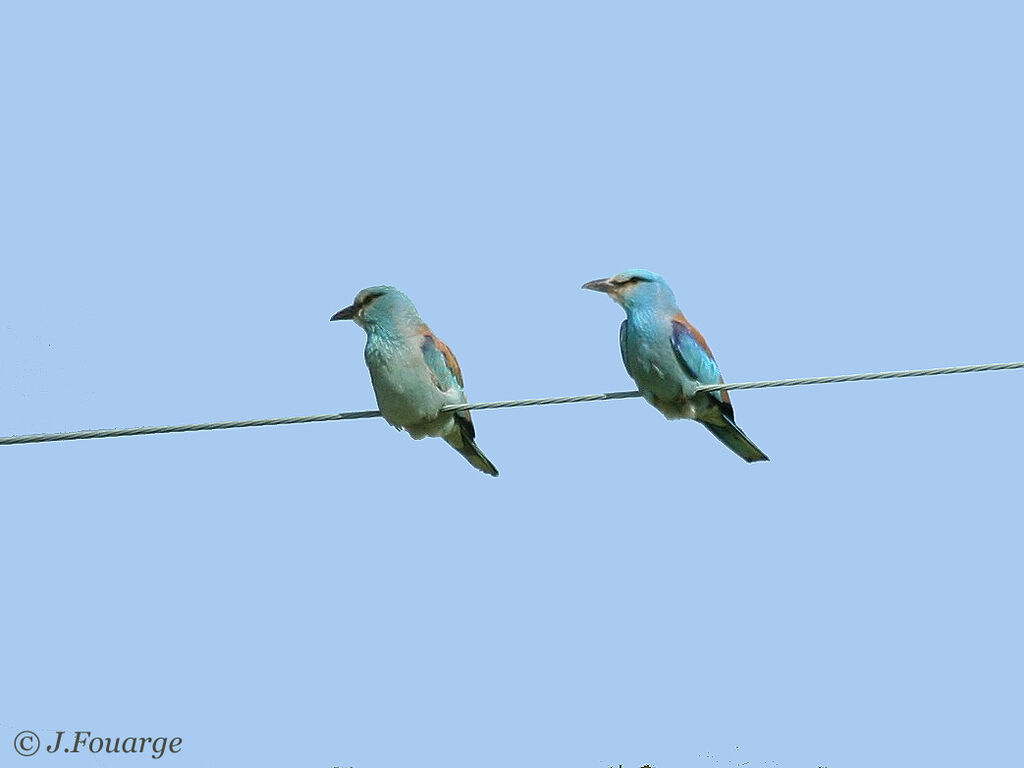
(635, 288)
(377, 305)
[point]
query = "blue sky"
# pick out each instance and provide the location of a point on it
(189, 191)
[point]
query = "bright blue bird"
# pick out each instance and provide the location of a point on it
(668, 357)
(414, 374)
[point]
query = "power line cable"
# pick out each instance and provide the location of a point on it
(350, 415)
(864, 377)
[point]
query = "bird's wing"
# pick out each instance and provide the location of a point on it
(622, 347)
(695, 356)
(444, 368)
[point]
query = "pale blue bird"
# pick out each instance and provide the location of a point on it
(668, 358)
(414, 374)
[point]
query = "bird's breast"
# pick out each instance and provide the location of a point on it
(406, 393)
(658, 373)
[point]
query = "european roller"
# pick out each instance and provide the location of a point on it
(668, 358)
(413, 372)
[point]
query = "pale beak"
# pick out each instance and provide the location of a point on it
(345, 314)
(604, 286)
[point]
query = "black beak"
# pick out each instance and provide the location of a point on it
(345, 314)
(604, 286)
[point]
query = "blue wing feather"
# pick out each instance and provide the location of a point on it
(622, 348)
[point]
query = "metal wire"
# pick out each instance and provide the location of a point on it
(349, 415)
(863, 377)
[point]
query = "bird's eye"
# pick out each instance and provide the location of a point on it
(368, 298)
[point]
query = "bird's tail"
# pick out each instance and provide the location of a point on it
(735, 440)
(461, 439)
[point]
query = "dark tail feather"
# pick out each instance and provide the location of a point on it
(462, 441)
(735, 440)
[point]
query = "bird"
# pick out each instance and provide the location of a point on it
(668, 357)
(414, 374)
